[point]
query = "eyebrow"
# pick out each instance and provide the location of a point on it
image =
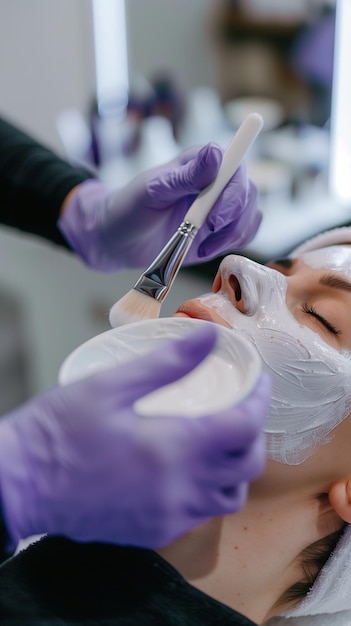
(336, 282)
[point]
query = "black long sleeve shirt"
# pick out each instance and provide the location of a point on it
(58, 582)
(33, 184)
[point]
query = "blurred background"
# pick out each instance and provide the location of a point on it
(122, 86)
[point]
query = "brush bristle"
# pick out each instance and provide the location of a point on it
(134, 307)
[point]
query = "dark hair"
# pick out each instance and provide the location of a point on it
(311, 559)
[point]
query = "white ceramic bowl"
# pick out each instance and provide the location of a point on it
(224, 377)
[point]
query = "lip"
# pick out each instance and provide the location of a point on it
(196, 310)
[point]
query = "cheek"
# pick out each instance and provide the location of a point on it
(310, 393)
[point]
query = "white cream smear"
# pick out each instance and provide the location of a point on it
(311, 391)
(224, 378)
(209, 388)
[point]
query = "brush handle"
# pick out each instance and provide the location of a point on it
(232, 157)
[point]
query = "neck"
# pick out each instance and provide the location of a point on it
(248, 559)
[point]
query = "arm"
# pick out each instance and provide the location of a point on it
(113, 229)
(34, 183)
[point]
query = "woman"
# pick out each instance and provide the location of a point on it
(297, 316)
(249, 567)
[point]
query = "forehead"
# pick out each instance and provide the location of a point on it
(334, 258)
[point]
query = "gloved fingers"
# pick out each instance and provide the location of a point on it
(233, 430)
(248, 222)
(220, 242)
(230, 225)
(210, 502)
(247, 229)
(239, 192)
(202, 170)
(190, 178)
(171, 361)
(231, 237)
(233, 468)
(231, 499)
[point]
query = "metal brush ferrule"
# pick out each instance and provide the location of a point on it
(158, 278)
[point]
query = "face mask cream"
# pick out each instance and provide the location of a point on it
(311, 391)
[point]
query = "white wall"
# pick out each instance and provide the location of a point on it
(170, 34)
(47, 59)
(46, 62)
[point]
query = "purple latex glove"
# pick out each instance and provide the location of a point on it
(78, 461)
(116, 229)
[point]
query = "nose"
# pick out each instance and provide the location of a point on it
(231, 286)
(247, 284)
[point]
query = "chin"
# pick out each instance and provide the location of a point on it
(198, 311)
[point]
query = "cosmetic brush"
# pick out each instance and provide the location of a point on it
(145, 298)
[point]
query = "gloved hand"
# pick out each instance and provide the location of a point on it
(79, 462)
(125, 228)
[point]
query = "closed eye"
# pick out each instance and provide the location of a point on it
(310, 310)
(284, 266)
(285, 262)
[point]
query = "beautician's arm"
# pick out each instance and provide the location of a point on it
(34, 183)
(112, 229)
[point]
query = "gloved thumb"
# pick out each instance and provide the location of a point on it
(203, 169)
(171, 361)
(198, 168)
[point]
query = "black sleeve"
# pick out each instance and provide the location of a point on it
(4, 539)
(33, 184)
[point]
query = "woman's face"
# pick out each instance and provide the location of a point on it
(296, 313)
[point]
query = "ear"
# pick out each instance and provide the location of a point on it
(340, 498)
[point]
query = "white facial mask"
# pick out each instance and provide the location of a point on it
(311, 381)
(332, 258)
